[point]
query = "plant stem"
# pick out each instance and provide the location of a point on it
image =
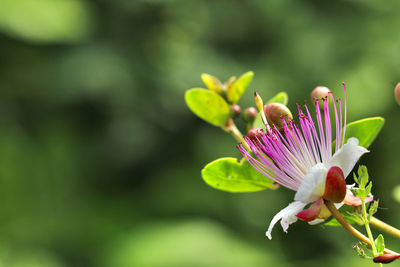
(336, 214)
(234, 131)
(367, 228)
(385, 227)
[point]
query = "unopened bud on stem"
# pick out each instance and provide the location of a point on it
(250, 114)
(253, 133)
(258, 101)
(386, 258)
(320, 92)
(235, 110)
(260, 106)
(397, 93)
(276, 112)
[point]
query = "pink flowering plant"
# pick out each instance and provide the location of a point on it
(311, 155)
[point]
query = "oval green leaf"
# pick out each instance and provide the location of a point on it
(212, 82)
(281, 97)
(207, 105)
(227, 174)
(365, 130)
(380, 244)
(238, 88)
(349, 214)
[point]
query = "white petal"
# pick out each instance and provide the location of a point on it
(347, 156)
(338, 205)
(352, 200)
(287, 216)
(313, 185)
(316, 221)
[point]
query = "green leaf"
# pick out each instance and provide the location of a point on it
(380, 244)
(365, 130)
(212, 82)
(349, 213)
(237, 89)
(363, 176)
(228, 174)
(373, 208)
(46, 21)
(334, 222)
(208, 105)
(368, 189)
(258, 123)
(281, 97)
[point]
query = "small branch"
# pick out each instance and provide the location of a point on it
(367, 228)
(336, 214)
(385, 227)
(231, 128)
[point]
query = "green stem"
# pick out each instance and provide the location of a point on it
(235, 132)
(336, 214)
(368, 229)
(385, 227)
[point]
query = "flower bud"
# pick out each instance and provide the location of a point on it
(235, 110)
(275, 112)
(335, 185)
(260, 106)
(320, 92)
(386, 258)
(253, 133)
(258, 101)
(250, 114)
(397, 93)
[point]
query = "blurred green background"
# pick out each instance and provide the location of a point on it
(100, 158)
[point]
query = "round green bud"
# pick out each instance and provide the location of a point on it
(320, 92)
(235, 110)
(397, 93)
(275, 112)
(250, 114)
(253, 133)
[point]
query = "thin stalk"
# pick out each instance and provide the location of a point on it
(375, 222)
(368, 229)
(336, 214)
(235, 132)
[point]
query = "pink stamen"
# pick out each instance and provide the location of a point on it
(345, 112)
(287, 157)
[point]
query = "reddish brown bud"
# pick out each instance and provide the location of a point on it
(275, 113)
(250, 114)
(320, 92)
(253, 133)
(335, 185)
(397, 93)
(386, 258)
(235, 110)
